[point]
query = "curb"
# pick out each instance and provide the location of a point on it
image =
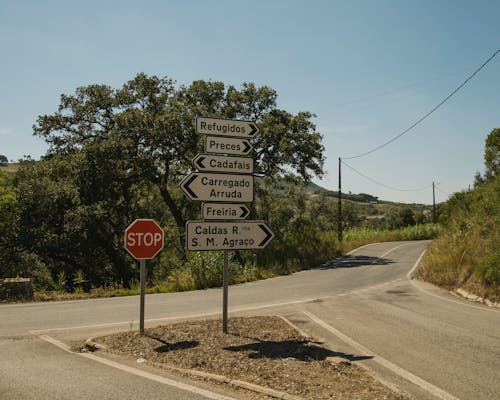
(476, 299)
(460, 292)
(299, 331)
(91, 343)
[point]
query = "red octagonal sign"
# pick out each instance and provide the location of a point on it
(143, 239)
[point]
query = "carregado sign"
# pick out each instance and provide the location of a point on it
(218, 187)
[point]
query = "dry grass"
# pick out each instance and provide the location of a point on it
(10, 168)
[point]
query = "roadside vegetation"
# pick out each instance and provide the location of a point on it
(467, 253)
(119, 154)
(304, 222)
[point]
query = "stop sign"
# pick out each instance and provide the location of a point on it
(143, 239)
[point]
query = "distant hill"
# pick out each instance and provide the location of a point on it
(360, 197)
(11, 167)
(372, 203)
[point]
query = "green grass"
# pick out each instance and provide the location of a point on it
(357, 237)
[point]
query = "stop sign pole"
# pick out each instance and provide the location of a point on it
(143, 241)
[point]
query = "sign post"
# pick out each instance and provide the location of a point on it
(143, 241)
(224, 182)
(142, 277)
(225, 290)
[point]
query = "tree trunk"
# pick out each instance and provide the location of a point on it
(179, 219)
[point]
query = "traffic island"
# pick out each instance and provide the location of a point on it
(262, 354)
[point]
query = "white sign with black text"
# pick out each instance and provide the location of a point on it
(227, 235)
(202, 186)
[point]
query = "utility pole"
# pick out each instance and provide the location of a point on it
(434, 220)
(339, 216)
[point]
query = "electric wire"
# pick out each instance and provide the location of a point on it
(442, 191)
(428, 113)
(383, 184)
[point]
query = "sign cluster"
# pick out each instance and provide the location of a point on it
(223, 181)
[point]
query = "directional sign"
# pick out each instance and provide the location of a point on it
(227, 145)
(226, 127)
(237, 235)
(218, 163)
(218, 187)
(143, 239)
(224, 211)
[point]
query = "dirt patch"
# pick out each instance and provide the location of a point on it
(265, 351)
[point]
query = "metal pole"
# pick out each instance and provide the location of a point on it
(339, 216)
(143, 287)
(433, 205)
(225, 279)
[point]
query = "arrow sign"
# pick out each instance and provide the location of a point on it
(227, 145)
(237, 235)
(208, 162)
(224, 211)
(218, 187)
(226, 127)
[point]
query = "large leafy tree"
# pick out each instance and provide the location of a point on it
(149, 124)
(492, 154)
(72, 210)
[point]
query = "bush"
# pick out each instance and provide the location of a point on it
(467, 253)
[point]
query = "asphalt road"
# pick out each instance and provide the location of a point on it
(412, 335)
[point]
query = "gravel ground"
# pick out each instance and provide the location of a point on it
(265, 351)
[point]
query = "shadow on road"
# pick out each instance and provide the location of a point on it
(301, 350)
(174, 346)
(355, 261)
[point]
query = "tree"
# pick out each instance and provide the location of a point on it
(72, 210)
(3, 160)
(400, 218)
(151, 122)
(492, 154)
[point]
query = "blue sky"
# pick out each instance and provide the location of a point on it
(367, 69)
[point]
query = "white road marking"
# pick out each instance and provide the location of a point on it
(143, 374)
(429, 387)
(55, 342)
(361, 247)
(418, 285)
(410, 273)
(234, 310)
(366, 289)
(394, 248)
(180, 317)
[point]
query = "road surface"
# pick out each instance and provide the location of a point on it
(421, 339)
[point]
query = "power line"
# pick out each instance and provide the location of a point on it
(442, 191)
(382, 184)
(429, 113)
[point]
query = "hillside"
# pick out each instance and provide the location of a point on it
(466, 254)
(10, 168)
(362, 209)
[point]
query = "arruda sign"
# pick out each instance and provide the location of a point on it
(203, 186)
